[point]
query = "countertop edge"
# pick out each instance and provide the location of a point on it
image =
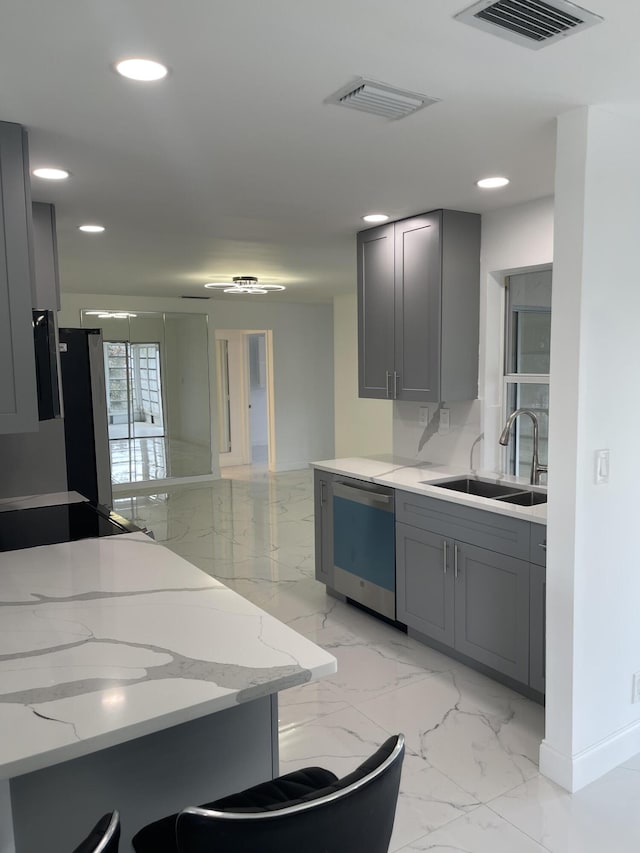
(403, 478)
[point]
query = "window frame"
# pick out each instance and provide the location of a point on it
(511, 380)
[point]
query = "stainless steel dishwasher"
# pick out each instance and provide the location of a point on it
(364, 556)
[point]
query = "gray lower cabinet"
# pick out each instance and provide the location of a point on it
(323, 507)
(537, 607)
(469, 598)
(492, 609)
(18, 395)
(473, 581)
(424, 583)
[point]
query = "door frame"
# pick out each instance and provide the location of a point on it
(240, 432)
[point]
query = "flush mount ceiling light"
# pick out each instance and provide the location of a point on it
(245, 284)
(91, 229)
(110, 315)
(51, 174)
(375, 217)
(492, 183)
(144, 70)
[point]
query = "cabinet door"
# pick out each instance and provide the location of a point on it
(45, 252)
(424, 583)
(375, 312)
(418, 275)
(492, 609)
(323, 506)
(18, 397)
(537, 628)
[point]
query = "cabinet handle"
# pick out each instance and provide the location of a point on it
(388, 375)
(395, 385)
(323, 493)
(444, 556)
(455, 561)
(542, 545)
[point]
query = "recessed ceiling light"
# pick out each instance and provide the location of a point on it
(91, 229)
(145, 70)
(50, 174)
(492, 183)
(375, 217)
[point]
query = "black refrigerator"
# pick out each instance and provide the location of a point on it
(85, 414)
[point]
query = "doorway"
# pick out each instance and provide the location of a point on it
(245, 397)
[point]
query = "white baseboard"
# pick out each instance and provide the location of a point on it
(291, 466)
(574, 772)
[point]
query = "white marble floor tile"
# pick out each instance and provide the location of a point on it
(603, 816)
(470, 740)
(481, 831)
(300, 705)
(428, 800)
(478, 742)
(339, 741)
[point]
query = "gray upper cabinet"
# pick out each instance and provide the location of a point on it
(46, 283)
(418, 308)
(18, 396)
(375, 311)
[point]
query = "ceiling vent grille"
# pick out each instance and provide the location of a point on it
(368, 96)
(531, 23)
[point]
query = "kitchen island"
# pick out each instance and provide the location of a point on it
(130, 679)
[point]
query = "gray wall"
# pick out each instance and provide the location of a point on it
(33, 463)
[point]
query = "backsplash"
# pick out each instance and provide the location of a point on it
(460, 446)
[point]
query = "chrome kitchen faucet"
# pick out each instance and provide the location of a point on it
(536, 467)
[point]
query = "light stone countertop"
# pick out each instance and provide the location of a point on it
(105, 640)
(409, 476)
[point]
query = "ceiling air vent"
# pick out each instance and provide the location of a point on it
(531, 23)
(380, 99)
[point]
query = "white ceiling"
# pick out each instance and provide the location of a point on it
(234, 165)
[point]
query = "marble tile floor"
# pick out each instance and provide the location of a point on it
(156, 458)
(470, 780)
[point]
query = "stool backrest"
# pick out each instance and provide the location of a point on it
(354, 815)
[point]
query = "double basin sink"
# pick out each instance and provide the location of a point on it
(490, 489)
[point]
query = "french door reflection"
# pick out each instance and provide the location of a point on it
(134, 390)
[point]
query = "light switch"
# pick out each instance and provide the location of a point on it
(444, 421)
(423, 417)
(602, 467)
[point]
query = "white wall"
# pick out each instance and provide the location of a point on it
(513, 238)
(303, 362)
(363, 427)
(593, 581)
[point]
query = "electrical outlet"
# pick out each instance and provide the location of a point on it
(423, 417)
(635, 693)
(443, 428)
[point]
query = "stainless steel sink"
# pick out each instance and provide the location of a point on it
(525, 498)
(482, 488)
(491, 489)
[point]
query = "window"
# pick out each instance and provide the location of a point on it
(527, 351)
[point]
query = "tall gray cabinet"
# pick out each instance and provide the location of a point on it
(18, 396)
(418, 308)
